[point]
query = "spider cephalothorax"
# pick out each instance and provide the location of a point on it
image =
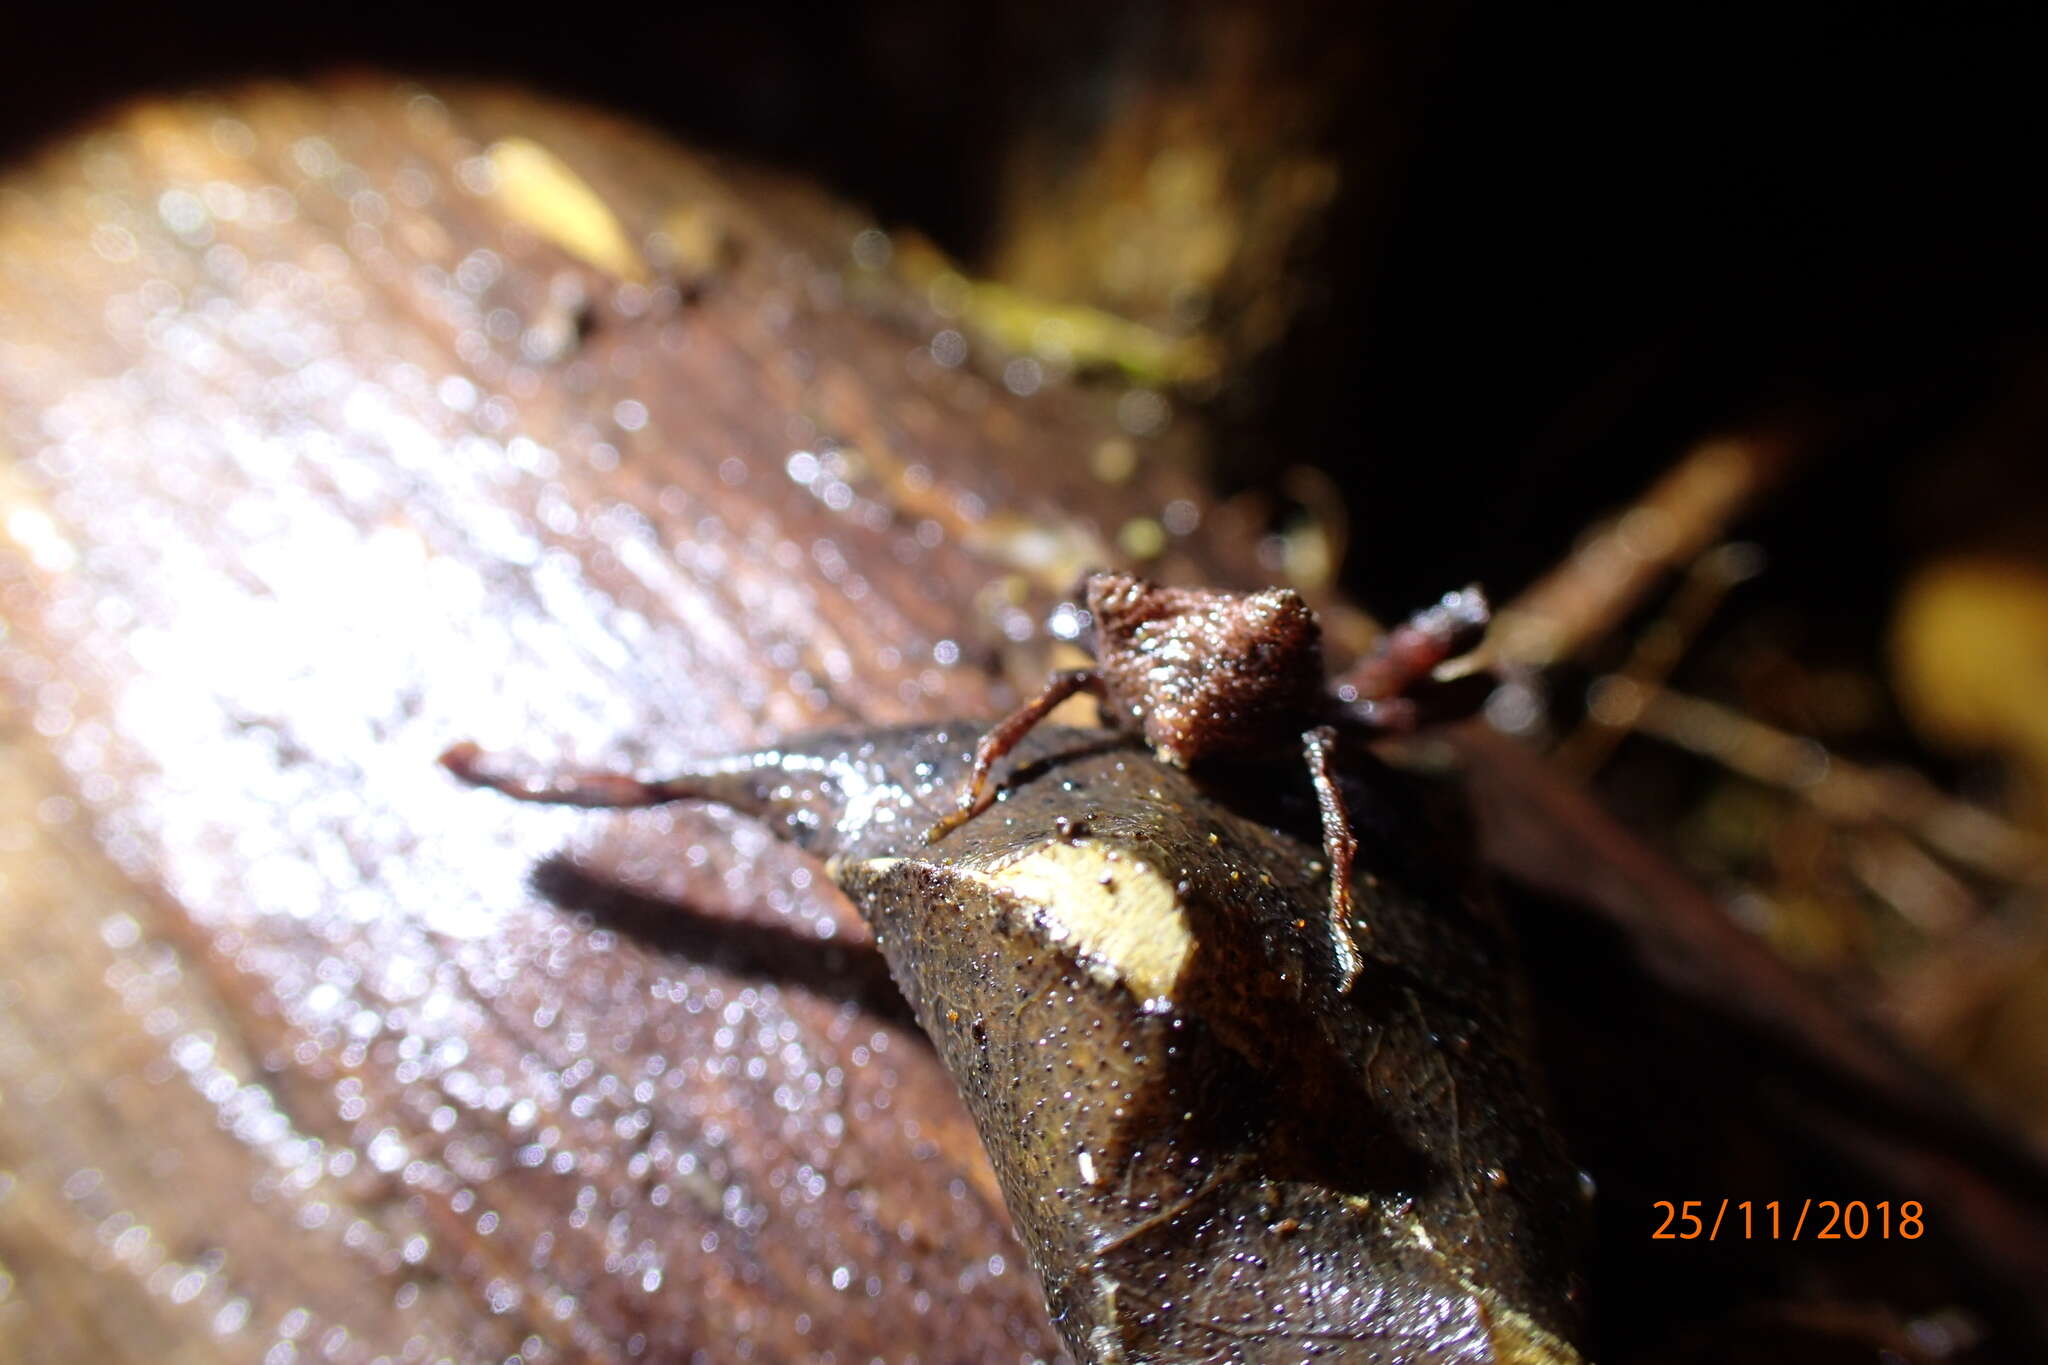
(1202, 673)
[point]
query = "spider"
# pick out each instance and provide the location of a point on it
(1202, 673)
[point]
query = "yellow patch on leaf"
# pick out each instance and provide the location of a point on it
(538, 189)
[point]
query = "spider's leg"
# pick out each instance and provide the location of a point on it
(480, 769)
(1003, 736)
(1405, 655)
(1428, 702)
(1378, 716)
(1340, 846)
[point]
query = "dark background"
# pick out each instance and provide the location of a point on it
(1608, 231)
(1615, 227)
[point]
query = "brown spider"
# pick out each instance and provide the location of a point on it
(1201, 673)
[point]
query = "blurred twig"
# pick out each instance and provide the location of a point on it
(1660, 646)
(1619, 562)
(1843, 789)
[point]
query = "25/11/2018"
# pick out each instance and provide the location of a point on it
(1776, 1220)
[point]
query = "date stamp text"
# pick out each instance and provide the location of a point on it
(1781, 1220)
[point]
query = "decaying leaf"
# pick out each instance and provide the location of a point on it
(1211, 1152)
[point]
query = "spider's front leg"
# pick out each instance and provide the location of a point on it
(591, 789)
(1340, 847)
(1391, 691)
(1004, 736)
(1400, 664)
